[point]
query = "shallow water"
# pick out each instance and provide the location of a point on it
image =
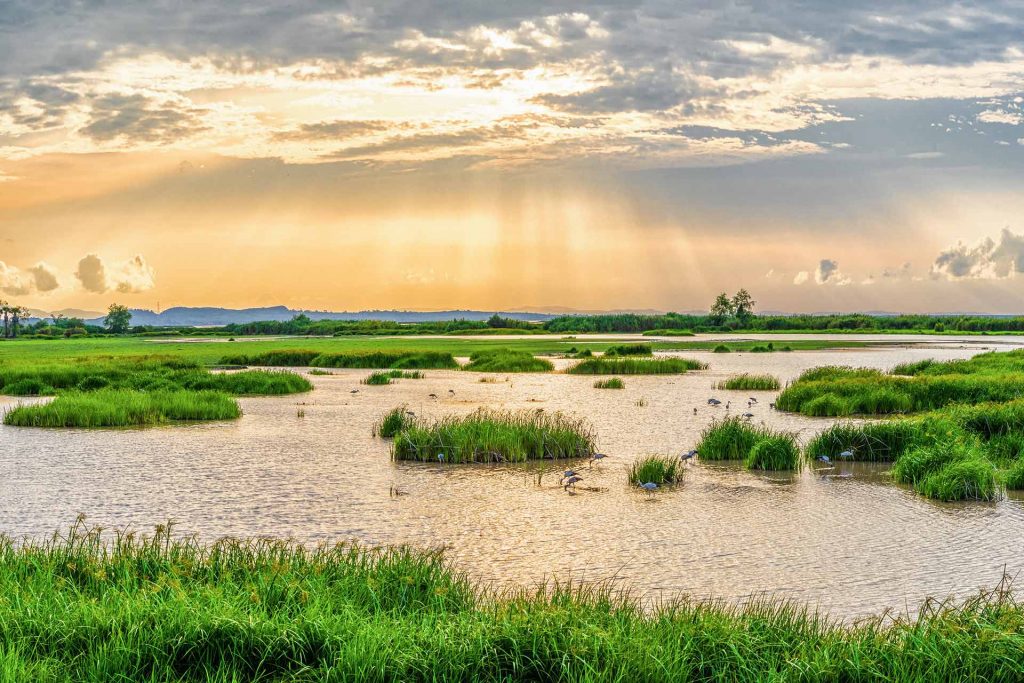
(852, 545)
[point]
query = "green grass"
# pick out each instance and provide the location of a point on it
(125, 408)
(495, 436)
(393, 421)
(660, 469)
(157, 608)
(871, 442)
(629, 350)
(376, 378)
(668, 333)
(751, 382)
(635, 366)
(507, 360)
(1014, 477)
(611, 383)
(731, 438)
(722, 348)
(778, 451)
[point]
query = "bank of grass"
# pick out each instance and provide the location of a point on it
(124, 408)
(629, 350)
(635, 366)
(507, 360)
(494, 436)
(611, 383)
(402, 360)
(777, 451)
(917, 387)
(659, 469)
(668, 333)
(132, 607)
(750, 382)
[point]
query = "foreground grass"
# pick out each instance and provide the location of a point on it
(125, 408)
(78, 609)
(759, 447)
(488, 436)
(635, 366)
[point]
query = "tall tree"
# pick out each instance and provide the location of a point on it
(118, 319)
(743, 305)
(721, 309)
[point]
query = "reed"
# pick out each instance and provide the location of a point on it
(86, 606)
(376, 379)
(629, 350)
(125, 408)
(731, 438)
(660, 469)
(393, 422)
(636, 366)
(507, 360)
(495, 436)
(750, 382)
(777, 451)
(611, 383)
(872, 442)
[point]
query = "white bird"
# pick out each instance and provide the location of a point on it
(846, 454)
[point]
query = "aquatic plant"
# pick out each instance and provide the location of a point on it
(495, 436)
(871, 442)
(731, 438)
(393, 421)
(612, 383)
(376, 378)
(635, 366)
(721, 348)
(507, 360)
(972, 478)
(660, 469)
(629, 350)
(750, 382)
(86, 606)
(775, 451)
(124, 408)
(1014, 477)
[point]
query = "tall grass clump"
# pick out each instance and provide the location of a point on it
(507, 360)
(495, 436)
(750, 382)
(1014, 477)
(629, 350)
(972, 478)
(777, 451)
(393, 421)
(376, 379)
(245, 383)
(729, 439)
(871, 442)
(721, 348)
(288, 358)
(86, 606)
(636, 366)
(660, 469)
(915, 368)
(125, 408)
(612, 383)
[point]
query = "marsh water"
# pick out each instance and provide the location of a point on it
(845, 540)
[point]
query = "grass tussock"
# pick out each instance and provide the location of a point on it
(494, 436)
(393, 421)
(507, 360)
(636, 366)
(660, 469)
(376, 379)
(85, 607)
(750, 382)
(778, 451)
(721, 348)
(611, 383)
(125, 408)
(629, 350)
(871, 442)
(731, 438)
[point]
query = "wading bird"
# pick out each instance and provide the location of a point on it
(354, 391)
(752, 399)
(846, 454)
(688, 455)
(571, 481)
(714, 402)
(410, 413)
(440, 458)
(694, 411)
(825, 459)
(451, 391)
(649, 487)
(432, 395)
(597, 456)
(748, 415)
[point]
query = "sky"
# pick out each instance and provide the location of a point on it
(619, 155)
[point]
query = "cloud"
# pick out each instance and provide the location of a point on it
(828, 273)
(801, 277)
(131, 277)
(987, 259)
(136, 118)
(40, 278)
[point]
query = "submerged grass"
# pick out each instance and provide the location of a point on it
(611, 383)
(751, 382)
(494, 436)
(635, 366)
(125, 408)
(157, 608)
(507, 360)
(659, 469)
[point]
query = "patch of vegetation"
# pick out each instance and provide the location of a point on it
(507, 360)
(393, 421)
(81, 607)
(871, 442)
(668, 333)
(629, 350)
(660, 469)
(406, 360)
(636, 366)
(612, 383)
(731, 438)
(750, 382)
(495, 436)
(376, 379)
(125, 408)
(777, 451)
(721, 348)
